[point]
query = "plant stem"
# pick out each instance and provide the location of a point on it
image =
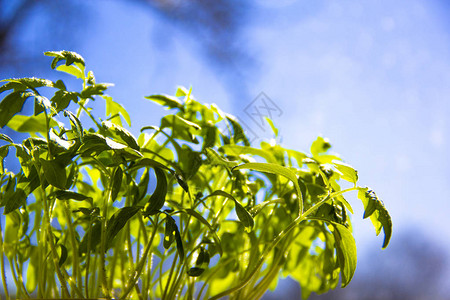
(2, 261)
(75, 263)
(64, 289)
(141, 264)
(105, 289)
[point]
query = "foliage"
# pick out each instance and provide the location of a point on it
(188, 209)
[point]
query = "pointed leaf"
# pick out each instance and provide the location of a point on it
(118, 221)
(11, 105)
(123, 134)
(69, 195)
(96, 89)
(375, 209)
(165, 100)
(347, 171)
(216, 238)
(94, 233)
(346, 252)
(69, 57)
(320, 145)
(278, 170)
(75, 122)
(4, 137)
(243, 215)
(216, 159)
(172, 233)
(195, 271)
(158, 197)
(54, 172)
(63, 257)
(116, 183)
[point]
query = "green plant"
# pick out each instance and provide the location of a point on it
(81, 217)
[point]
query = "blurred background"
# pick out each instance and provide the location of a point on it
(372, 76)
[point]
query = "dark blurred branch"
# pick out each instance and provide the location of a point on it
(9, 22)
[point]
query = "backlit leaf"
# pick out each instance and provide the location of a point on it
(195, 271)
(243, 215)
(158, 197)
(275, 169)
(69, 195)
(375, 209)
(118, 221)
(347, 171)
(69, 57)
(165, 100)
(31, 124)
(11, 105)
(116, 183)
(54, 172)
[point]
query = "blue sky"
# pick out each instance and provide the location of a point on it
(372, 76)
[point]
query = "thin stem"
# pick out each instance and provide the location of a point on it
(64, 289)
(139, 268)
(105, 288)
(19, 273)
(75, 259)
(88, 258)
(2, 261)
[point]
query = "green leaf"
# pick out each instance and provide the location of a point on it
(54, 172)
(238, 132)
(182, 91)
(347, 172)
(69, 195)
(143, 186)
(94, 144)
(165, 100)
(158, 198)
(32, 124)
(4, 137)
(114, 109)
(346, 252)
(94, 233)
(63, 257)
(236, 150)
(69, 57)
(61, 99)
(13, 198)
(11, 105)
(195, 271)
(320, 145)
(345, 249)
(22, 84)
(375, 209)
(116, 183)
(75, 123)
(33, 272)
(199, 217)
(216, 159)
(181, 128)
(272, 126)
(72, 70)
(203, 257)
(118, 221)
(169, 232)
(278, 170)
(4, 150)
(123, 134)
(172, 233)
(96, 89)
(243, 215)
